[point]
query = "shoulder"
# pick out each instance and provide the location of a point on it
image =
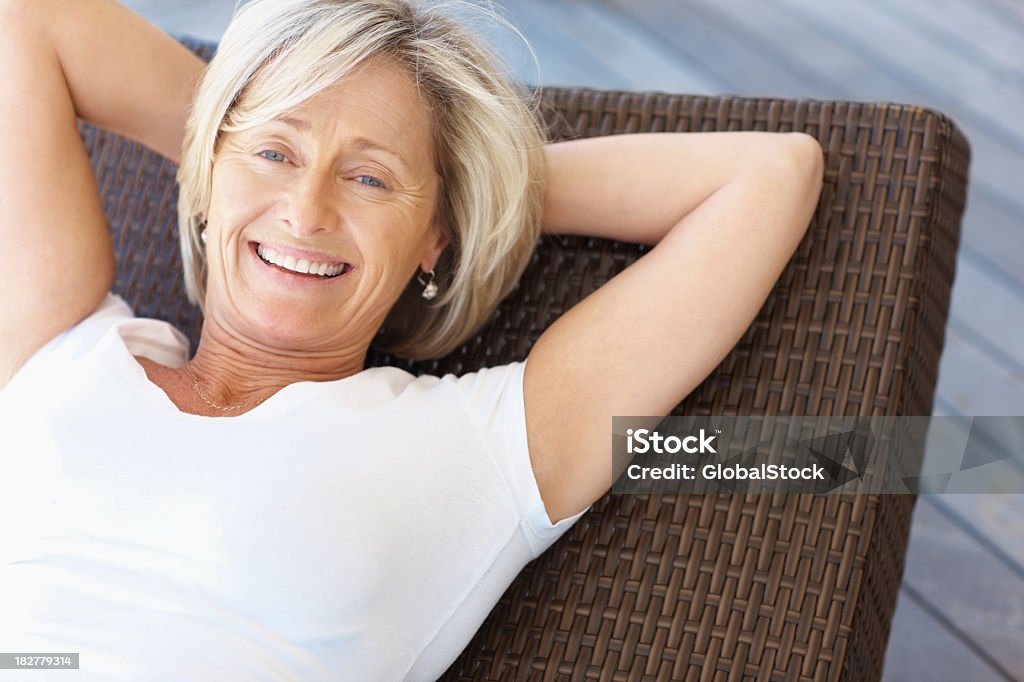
(113, 322)
(488, 384)
(478, 391)
(483, 406)
(491, 398)
(494, 398)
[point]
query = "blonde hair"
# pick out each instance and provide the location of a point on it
(488, 141)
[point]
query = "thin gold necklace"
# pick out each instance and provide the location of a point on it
(199, 392)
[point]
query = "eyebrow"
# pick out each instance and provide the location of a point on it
(357, 142)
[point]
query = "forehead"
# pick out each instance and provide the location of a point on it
(377, 104)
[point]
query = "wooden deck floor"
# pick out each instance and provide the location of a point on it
(961, 608)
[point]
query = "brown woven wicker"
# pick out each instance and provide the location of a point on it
(716, 587)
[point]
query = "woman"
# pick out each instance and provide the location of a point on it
(266, 508)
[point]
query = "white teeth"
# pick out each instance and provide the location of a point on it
(301, 265)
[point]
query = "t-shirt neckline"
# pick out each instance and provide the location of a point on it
(284, 400)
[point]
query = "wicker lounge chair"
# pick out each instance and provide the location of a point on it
(715, 587)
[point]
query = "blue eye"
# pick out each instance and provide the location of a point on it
(272, 155)
(370, 181)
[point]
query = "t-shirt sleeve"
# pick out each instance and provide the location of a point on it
(157, 340)
(494, 398)
(67, 345)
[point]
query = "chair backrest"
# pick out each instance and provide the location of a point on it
(659, 587)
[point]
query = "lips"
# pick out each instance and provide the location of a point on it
(310, 267)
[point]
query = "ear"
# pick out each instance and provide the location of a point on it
(434, 249)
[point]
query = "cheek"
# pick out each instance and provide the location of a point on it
(237, 199)
(388, 258)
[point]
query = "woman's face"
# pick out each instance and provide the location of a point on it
(318, 221)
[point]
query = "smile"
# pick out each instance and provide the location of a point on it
(301, 266)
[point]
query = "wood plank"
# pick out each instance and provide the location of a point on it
(992, 519)
(966, 376)
(957, 25)
(795, 36)
(738, 61)
(1010, 12)
(907, 56)
(836, 41)
(972, 382)
(920, 648)
(620, 54)
(203, 19)
(848, 73)
(977, 595)
(557, 63)
(987, 305)
(996, 440)
(937, 68)
(991, 231)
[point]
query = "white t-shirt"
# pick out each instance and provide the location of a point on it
(358, 529)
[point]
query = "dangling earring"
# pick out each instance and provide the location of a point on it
(202, 236)
(429, 287)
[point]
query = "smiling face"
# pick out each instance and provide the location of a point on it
(318, 220)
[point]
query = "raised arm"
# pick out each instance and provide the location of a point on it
(59, 59)
(635, 188)
(726, 211)
(122, 72)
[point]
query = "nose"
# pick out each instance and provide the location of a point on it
(312, 203)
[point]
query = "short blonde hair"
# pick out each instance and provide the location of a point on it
(276, 54)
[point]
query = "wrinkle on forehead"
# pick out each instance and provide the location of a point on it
(398, 92)
(381, 104)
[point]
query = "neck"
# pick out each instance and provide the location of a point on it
(232, 370)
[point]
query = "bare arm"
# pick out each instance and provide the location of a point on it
(59, 59)
(123, 73)
(636, 187)
(726, 214)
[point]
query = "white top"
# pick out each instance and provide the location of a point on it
(358, 529)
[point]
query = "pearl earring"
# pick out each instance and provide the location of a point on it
(429, 287)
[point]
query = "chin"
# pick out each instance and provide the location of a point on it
(289, 327)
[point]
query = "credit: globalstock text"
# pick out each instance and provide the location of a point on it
(643, 441)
